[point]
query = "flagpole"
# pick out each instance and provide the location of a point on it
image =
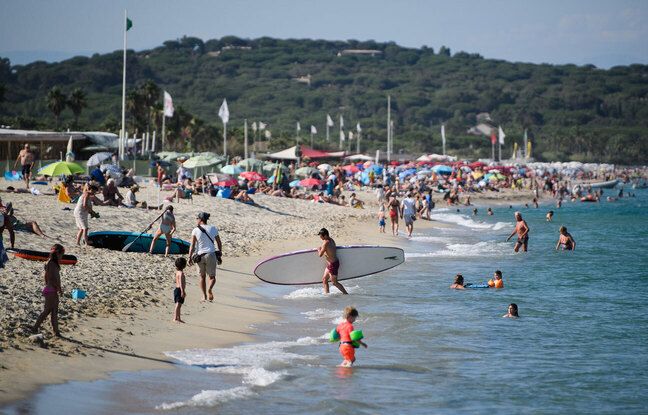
(246, 139)
(163, 131)
(123, 129)
(499, 145)
(525, 144)
(225, 139)
(388, 128)
(311, 137)
(358, 144)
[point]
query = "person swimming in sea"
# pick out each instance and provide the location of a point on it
(458, 283)
(566, 240)
(512, 311)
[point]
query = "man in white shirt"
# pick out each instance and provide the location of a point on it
(203, 238)
(408, 212)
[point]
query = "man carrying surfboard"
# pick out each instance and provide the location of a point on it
(328, 251)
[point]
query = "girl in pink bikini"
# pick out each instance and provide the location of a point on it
(52, 288)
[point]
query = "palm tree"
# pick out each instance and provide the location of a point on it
(150, 95)
(77, 102)
(56, 102)
(134, 106)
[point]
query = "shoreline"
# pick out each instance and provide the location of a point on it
(108, 336)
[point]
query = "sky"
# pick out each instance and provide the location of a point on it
(600, 32)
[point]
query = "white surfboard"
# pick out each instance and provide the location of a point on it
(306, 267)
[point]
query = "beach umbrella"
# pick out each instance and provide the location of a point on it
(249, 164)
(351, 168)
(305, 171)
(61, 167)
(310, 182)
(426, 172)
(271, 179)
(293, 183)
(97, 158)
(368, 163)
(252, 176)
(110, 168)
(442, 168)
(324, 166)
(231, 169)
(313, 163)
(169, 155)
(215, 178)
(200, 161)
(162, 163)
(477, 174)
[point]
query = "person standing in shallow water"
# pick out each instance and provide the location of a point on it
(522, 230)
(566, 240)
(328, 251)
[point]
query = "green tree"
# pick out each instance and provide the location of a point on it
(135, 107)
(150, 93)
(77, 103)
(56, 101)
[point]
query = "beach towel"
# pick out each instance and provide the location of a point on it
(63, 195)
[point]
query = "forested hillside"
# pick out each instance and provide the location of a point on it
(571, 112)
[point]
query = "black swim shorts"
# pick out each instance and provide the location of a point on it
(26, 169)
(177, 296)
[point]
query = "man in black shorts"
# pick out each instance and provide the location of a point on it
(26, 158)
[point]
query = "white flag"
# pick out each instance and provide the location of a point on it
(254, 127)
(329, 121)
(341, 136)
(313, 129)
(443, 140)
(298, 126)
(358, 128)
(262, 126)
(341, 122)
(223, 112)
(501, 135)
(268, 134)
(168, 105)
(350, 136)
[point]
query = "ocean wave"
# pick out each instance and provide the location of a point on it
(478, 249)
(250, 361)
(324, 313)
(467, 221)
(409, 255)
(317, 292)
(209, 398)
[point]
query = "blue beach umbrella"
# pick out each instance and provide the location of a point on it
(442, 168)
(294, 183)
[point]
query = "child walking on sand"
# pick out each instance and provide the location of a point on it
(381, 218)
(348, 336)
(179, 292)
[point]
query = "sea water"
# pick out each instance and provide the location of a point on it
(579, 346)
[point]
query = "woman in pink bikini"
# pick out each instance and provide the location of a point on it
(52, 288)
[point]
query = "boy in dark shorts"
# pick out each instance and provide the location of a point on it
(179, 292)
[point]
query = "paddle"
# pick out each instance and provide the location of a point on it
(124, 249)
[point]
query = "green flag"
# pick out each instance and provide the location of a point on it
(129, 24)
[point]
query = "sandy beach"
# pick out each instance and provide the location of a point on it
(125, 321)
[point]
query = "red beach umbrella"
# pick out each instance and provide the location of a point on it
(310, 182)
(253, 176)
(351, 167)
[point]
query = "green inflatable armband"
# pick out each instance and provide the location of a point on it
(335, 336)
(356, 335)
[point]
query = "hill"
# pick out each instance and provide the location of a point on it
(571, 112)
